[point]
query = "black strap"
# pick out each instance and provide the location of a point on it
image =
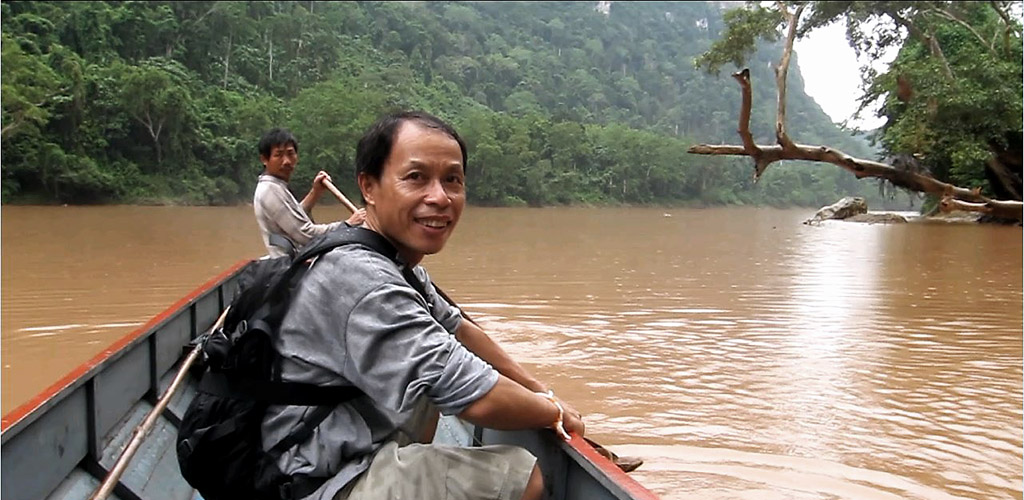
(414, 281)
(282, 242)
(303, 433)
(324, 243)
(300, 485)
(355, 234)
(343, 236)
(281, 393)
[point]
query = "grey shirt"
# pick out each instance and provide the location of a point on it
(277, 211)
(356, 321)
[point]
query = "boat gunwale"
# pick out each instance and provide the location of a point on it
(582, 453)
(29, 411)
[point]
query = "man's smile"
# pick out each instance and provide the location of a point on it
(434, 222)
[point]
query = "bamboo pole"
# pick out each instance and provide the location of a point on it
(341, 197)
(140, 432)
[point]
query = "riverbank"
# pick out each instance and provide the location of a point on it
(33, 200)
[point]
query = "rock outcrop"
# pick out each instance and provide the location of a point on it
(842, 209)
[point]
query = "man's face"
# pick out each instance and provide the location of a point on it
(420, 194)
(282, 161)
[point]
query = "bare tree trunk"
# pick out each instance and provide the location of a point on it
(953, 17)
(1001, 10)
(928, 39)
(183, 30)
(154, 130)
(782, 72)
(227, 59)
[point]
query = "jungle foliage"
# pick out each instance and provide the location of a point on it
(164, 102)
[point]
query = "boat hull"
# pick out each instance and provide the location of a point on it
(61, 444)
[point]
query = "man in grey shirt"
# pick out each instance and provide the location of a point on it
(277, 211)
(355, 320)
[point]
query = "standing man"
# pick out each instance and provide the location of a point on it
(357, 319)
(284, 223)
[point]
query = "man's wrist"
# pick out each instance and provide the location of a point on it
(558, 425)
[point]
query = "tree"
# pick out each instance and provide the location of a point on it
(959, 75)
(29, 87)
(156, 94)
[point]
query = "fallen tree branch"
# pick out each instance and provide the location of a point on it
(765, 155)
(995, 208)
(865, 168)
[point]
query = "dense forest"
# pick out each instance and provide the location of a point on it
(559, 102)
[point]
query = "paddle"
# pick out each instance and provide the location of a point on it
(140, 432)
(627, 464)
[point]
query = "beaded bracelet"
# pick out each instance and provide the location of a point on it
(558, 427)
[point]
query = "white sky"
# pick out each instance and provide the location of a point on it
(831, 74)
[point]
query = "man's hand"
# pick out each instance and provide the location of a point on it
(357, 218)
(572, 420)
(573, 423)
(569, 409)
(318, 182)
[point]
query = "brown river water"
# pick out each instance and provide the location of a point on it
(742, 354)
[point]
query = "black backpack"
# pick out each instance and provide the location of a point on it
(219, 444)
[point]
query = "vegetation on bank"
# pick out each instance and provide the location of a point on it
(559, 103)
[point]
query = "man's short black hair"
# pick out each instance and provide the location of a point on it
(276, 137)
(375, 145)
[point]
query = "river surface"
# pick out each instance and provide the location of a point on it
(742, 354)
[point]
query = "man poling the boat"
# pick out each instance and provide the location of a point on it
(355, 320)
(285, 223)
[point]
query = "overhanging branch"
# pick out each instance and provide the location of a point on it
(765, 155)
(786, 149)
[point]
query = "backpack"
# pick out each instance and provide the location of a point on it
(219, 444)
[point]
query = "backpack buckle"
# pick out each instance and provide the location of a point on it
(286, 492)
(240, 329)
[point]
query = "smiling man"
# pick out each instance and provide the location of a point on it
(373, 321)
(285, 224)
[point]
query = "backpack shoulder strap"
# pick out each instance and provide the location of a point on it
(343, 236)
(347, 235)
(286, 245)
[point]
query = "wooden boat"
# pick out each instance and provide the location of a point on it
(62, 443)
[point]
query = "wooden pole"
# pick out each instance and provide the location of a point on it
(341, 197)
(140, 432)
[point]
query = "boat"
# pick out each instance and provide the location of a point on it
(63, 443)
